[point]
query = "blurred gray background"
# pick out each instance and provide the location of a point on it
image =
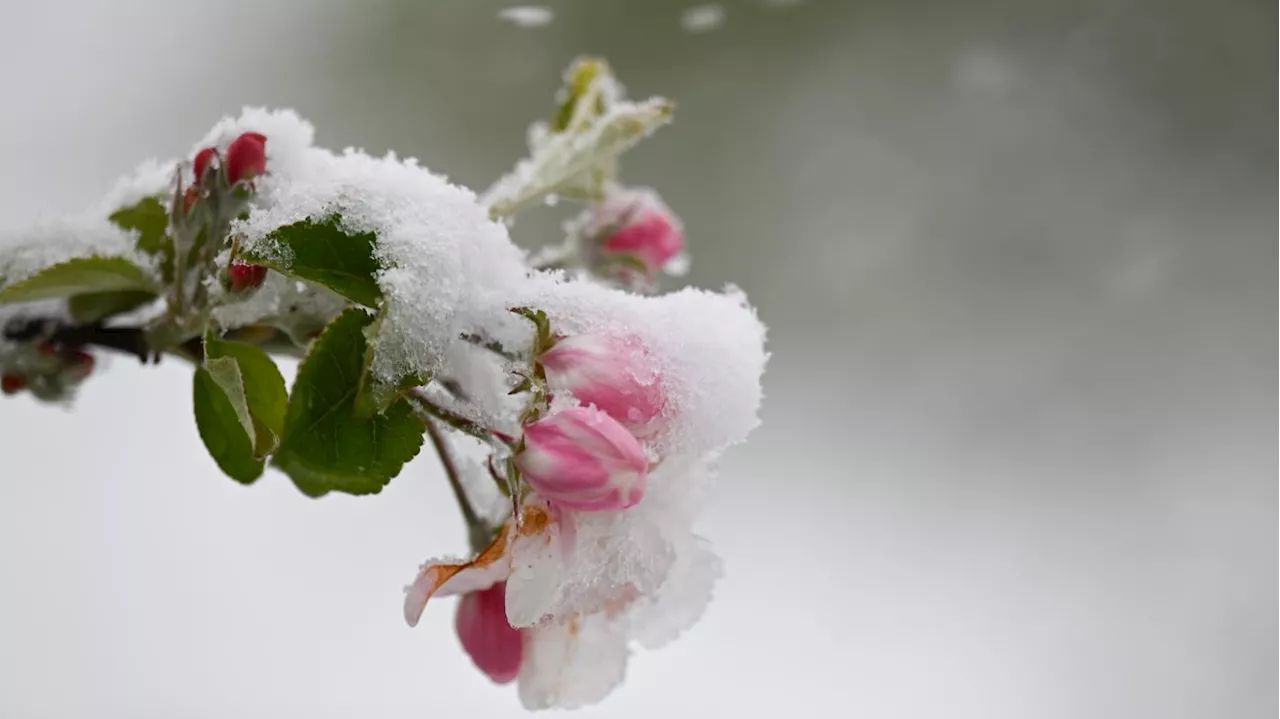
(1018, 456)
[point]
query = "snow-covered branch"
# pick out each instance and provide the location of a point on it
(600, 404)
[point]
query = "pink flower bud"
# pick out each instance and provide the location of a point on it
(639, 225)
(495, 646)
(12, 383)
(246, 157)
(617, 376)
(242, 276)
(581, 458)
(201, 163)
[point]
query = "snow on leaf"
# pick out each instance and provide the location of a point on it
(325, 253)
(149, 218)
(79, 276)
(325, 446)
(564, 165)
(376, 395)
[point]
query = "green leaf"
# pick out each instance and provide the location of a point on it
(375, 396)
(226, 372)
(94, 306)
(326, 447)
(151, 221)
(78, 276)
(581, 82)
(263, 389)
(221, 420)
(578, 162)
(620, 130)
(324, 253)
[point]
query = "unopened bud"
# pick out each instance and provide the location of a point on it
(80, 365)
(242, 276)
(635, 224)
(12, 383)
(581, 458)
(246, 157)
(201, 163)
(616, 376)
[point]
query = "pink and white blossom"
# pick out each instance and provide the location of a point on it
(584, 587)
(617, 376)
(638, 576)
(581, 458)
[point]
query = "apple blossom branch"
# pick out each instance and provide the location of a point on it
(382, 277)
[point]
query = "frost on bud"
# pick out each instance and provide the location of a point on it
(616, 376)
(246, 157)
(242, 276)
(495, 646)
(12, 383)
(581, 458)
(634, 224)
(201, 162)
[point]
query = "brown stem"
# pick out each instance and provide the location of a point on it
(129, 340)
(492, 345)
(451, 418)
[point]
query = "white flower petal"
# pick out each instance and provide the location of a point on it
(573, 664)
(451, 576)
(681, 600)
(538, 555)
(613, 558)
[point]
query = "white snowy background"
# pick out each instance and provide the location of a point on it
(1018, 262)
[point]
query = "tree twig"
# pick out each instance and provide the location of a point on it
(492, 345)
(453, 419)
(129, 340)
